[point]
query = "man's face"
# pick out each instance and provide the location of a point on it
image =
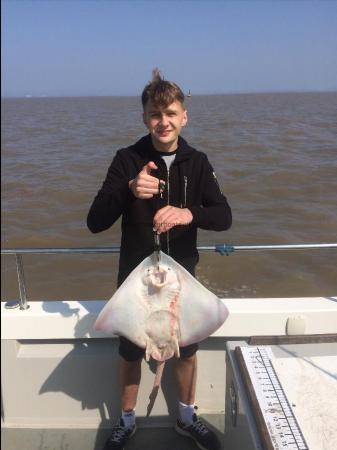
(165, 124)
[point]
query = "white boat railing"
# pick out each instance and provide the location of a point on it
(223, 249)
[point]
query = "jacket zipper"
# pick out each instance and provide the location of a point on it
(185, 191)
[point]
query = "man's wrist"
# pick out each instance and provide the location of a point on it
(189, 212)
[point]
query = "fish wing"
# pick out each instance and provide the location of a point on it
(201, 311)
(125, 313)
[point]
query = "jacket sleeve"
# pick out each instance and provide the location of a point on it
(214, 213)
(111, 199)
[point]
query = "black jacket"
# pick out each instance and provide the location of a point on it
(190, 183)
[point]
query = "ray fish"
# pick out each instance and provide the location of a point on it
(159, 307)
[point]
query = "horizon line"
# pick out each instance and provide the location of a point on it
(294, 91)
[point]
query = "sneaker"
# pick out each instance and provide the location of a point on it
(198, 431)
(120, 434)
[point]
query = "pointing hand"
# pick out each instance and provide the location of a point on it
(145, 186)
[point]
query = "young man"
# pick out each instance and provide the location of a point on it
(160, 184)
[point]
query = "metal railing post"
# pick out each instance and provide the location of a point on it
(21, 280)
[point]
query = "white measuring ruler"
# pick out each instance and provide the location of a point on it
(275, 418)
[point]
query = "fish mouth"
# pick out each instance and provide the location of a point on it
(158, 277)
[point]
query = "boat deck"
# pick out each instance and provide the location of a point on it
(93, 439)
(59, 377)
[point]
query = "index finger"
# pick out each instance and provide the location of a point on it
(148, 167)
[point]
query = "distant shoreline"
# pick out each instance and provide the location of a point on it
(30, 96)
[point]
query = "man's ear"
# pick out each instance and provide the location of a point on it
(185, 118)
(144, 119)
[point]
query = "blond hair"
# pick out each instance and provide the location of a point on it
(161, 92)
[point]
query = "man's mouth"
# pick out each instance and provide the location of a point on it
(164, 132)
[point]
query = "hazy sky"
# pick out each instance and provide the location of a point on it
(70, 47)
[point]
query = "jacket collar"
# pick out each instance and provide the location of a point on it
(184, 151)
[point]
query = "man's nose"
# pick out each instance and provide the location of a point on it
(164, 120)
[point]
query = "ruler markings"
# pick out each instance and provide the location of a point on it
(273, 407)
(292, 422)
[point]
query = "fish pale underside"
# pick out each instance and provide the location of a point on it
(161, 306)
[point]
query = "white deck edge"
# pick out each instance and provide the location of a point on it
(247, 317)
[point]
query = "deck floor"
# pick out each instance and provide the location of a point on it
(74, 439)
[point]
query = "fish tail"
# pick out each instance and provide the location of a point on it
(156, 385)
